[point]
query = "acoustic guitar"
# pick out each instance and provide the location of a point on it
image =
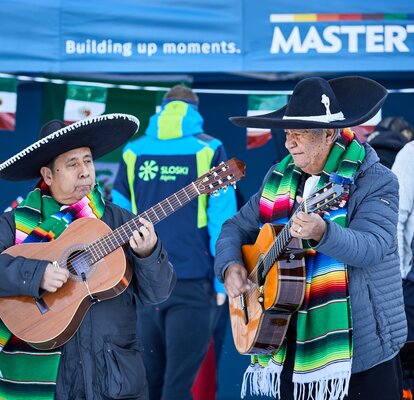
(276, 270)
(93, 254)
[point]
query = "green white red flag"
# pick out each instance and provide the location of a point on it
(362, 131)
(8, 103)
(84, 101)
(262, 104)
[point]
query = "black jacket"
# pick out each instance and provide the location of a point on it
(102, 360)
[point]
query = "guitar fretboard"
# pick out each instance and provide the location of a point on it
(120, 236)
(320, 200)
(280, 244)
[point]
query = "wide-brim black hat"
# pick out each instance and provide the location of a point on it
(101, 134)
(318, 103)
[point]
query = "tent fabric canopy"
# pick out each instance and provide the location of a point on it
(205, 36)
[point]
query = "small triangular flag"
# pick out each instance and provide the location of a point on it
(84, 101)
(262, 104)
(8, 103)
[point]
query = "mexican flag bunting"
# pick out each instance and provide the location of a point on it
(8, 101)
(262, 104)
(362, 131)
(105, 174)
(84, 101)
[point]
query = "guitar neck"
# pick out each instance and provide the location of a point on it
(331, 195)
(121, 235)
(280, 243)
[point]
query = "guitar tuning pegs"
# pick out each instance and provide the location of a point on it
(234, 185)
(225, 188)
(215, 193)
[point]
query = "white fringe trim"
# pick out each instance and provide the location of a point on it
(262, 381)
(266, 382)
(330, 383)
(326, 389)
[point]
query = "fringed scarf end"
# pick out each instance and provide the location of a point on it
(262, 381)
(327, 389)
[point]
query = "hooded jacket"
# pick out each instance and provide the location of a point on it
(173, 153)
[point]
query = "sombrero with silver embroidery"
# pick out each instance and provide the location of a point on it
(318, 103)
(101, 134)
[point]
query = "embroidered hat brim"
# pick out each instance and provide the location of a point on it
(317, 103)
(102, 134)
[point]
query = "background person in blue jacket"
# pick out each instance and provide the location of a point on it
(343, 342)
(171, 155)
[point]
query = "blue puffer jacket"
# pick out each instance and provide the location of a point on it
(173, 153)
(368, 246)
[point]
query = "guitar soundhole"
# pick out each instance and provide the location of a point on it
(79, 264)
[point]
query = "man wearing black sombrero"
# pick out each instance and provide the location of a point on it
(102, 359)
(344, 340)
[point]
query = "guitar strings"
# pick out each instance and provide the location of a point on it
(210, 181)
(271, 255)
(182, 197)
(267, 261)
(175, 201)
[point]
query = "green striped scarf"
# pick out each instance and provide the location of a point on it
(323, 357)
(27, 373)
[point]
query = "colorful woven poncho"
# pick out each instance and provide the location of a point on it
(26, 373)
(323, 356)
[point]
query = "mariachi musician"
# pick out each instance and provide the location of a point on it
(102, 359)
(343, 342)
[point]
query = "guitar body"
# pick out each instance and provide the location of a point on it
(283, 292)
(50, 321)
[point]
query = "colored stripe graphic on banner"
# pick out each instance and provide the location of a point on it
(337, 17)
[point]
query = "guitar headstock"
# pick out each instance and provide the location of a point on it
(226, 173)
(331, 196)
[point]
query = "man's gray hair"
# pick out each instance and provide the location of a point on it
(337, 133)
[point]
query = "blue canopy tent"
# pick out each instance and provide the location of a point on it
(206, 36)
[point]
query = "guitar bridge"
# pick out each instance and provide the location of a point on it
(41, 305)
(244, 308)
(260, 299)
(292, 254)
(93, 298)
